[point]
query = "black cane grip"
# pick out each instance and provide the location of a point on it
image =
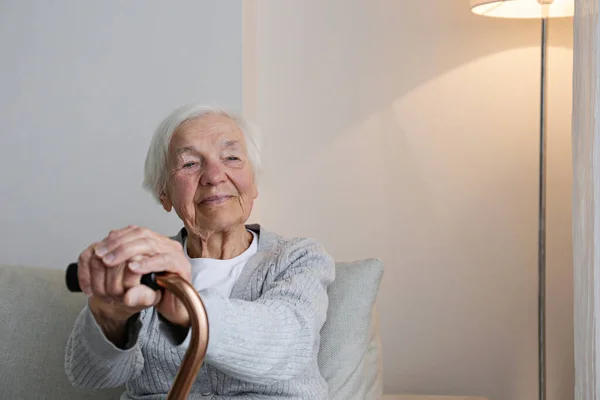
(72, 279)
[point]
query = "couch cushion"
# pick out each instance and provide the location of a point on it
(37, 314)
(349, 356)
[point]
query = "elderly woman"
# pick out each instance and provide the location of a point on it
(266, 296)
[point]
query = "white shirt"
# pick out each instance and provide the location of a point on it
(219, 275)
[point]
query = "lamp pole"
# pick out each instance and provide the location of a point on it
(542, 218)
(545, 4)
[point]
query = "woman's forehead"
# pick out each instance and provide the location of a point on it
(215, 130)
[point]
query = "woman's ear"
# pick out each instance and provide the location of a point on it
(254, 188)
(165, 201)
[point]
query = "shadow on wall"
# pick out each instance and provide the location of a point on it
(379, 66)
(463, 204)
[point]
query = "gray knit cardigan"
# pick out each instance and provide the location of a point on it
(263, 344)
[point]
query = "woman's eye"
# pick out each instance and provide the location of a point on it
(189, 164)
(232, 158)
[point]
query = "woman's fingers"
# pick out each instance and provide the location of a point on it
(83, 270)
(114, 284)
(155, 263)
(112, 269)
(142, 246)
(130, 278)
(126, 243)
(119, 279)
(135, 242)
(117, 238)
(98, 277)
(141, 297)
(104, 246)
(117, 233)
(115, 287)
(172, 262)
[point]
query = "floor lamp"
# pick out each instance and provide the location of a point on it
(538, 9)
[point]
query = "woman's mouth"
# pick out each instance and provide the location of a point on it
(216, 199)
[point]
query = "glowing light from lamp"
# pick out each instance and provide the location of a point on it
(523, 8)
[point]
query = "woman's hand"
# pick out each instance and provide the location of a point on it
(112, 269)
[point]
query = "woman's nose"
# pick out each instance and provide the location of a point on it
(213, 174)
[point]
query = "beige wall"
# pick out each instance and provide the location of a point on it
(400, 130)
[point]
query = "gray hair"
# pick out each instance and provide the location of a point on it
(155, 167)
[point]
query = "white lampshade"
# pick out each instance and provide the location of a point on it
(523, 8)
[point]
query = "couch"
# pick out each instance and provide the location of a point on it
(38, 314)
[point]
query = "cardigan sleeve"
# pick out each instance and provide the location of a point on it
(93, 362)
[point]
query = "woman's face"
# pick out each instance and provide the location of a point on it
(211, 181)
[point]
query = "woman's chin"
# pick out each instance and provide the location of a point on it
(218, 222)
